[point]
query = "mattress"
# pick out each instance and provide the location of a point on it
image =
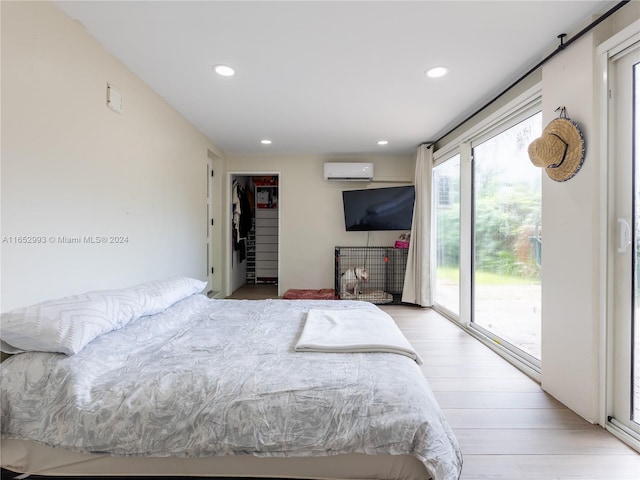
(220, 381)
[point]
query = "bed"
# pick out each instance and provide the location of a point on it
(161, 380)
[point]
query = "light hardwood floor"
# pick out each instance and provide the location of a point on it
(257, 291)
(508, 428)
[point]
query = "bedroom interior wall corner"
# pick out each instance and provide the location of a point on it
(75, 171)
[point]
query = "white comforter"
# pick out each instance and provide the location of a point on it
(221, 377)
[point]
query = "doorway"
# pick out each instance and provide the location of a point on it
(254, 231)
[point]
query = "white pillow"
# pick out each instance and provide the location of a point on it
(67, 324)
(161, 294)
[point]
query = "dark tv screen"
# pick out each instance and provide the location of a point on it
(389, 208)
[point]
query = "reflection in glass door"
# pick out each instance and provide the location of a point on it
(507, 240)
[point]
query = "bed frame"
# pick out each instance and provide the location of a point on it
(21, 456)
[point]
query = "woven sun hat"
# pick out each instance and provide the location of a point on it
(560, 150)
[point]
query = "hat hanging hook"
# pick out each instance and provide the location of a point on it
(563, 111)
(561, 37)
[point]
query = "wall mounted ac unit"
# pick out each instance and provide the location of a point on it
(349, 172)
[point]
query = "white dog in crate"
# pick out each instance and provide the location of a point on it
(350, 282)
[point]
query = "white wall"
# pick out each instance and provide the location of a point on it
(311, 213)
(72, 167)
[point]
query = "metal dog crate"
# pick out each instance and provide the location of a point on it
(385, 267)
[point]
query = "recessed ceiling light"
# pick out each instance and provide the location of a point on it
(383, 142)
(436, 72)
(224, 70)
(266, 141)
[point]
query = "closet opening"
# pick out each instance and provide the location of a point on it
(254, 229)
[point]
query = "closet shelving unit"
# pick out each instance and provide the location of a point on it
(266, 229)
(251, 253)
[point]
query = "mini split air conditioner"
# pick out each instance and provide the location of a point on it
(350, 172)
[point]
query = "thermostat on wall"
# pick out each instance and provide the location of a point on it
(114, 99)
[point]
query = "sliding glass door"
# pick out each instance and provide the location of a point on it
(507, 238)
(624, 220)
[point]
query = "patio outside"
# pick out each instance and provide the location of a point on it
(510, 311)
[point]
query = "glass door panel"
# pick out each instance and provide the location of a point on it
(507, 239)
(446, 201)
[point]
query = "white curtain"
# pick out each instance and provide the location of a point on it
(417, 278)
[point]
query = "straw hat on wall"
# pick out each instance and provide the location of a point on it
(560, 150)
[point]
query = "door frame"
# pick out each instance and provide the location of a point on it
(212, 237)
(228, 255)
(606, 51)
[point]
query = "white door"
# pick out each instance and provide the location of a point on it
(624, 229)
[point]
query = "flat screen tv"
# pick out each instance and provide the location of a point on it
(389, 208)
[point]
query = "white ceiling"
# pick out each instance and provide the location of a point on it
(329, 77)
